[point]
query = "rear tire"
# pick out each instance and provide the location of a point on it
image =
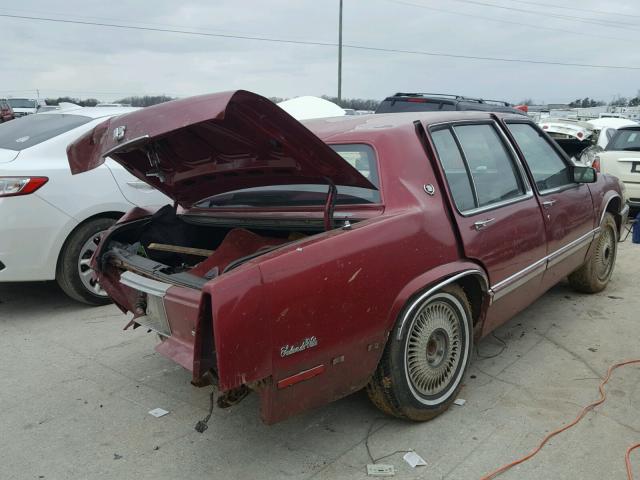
(420, 375)
(595, 273)
(73, 273)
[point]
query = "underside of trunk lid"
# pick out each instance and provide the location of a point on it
(202, 146)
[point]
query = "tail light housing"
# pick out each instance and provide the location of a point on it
(596, 163)
(16, 186)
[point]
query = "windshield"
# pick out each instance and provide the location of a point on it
(361, 157)
(22, 103)
(31, 130)
(625, 140)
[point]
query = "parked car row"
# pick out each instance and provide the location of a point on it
(6, 112)
(24, 106)
(306, 261)
(583, 140)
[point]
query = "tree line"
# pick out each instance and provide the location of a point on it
(354, 103)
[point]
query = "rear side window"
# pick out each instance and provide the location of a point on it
(547, 167)
(454, 169)
(625, 140)
(492, 170)
(31, 130)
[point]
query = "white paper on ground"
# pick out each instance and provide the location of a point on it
(413, 459)
(158, 412)
(380, 470)
(460, 401)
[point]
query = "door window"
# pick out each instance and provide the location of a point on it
(547, 167)
(454, 169)
(491, 167)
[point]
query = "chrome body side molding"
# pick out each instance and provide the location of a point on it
(518, 279)
(416, 303)
(571, 248)
(604, 210)
(509, 284)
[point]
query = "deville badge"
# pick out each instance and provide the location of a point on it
(308, 342)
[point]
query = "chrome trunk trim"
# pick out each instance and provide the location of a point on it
(155, 317)
(144, 284)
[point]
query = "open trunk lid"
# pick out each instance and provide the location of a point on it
(197, 147)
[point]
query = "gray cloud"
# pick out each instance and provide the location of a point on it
(107, 63)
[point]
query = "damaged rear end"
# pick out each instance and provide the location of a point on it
(249, 183)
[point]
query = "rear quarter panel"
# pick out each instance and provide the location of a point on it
(343, 290)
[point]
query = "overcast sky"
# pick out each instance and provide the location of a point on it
(108, 63)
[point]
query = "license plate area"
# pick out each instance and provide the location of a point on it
(635, 167)
(156, 315)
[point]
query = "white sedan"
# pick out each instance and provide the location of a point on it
(50, 219)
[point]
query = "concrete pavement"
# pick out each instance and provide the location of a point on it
(75, 391)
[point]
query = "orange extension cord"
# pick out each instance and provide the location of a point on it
(583, 412)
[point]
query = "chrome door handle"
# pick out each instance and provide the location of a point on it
(548, 203)
(479, 225)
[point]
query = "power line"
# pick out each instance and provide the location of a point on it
(120, 20)
(573, 9)
(325, 44)
(601, 23)
(499, 20)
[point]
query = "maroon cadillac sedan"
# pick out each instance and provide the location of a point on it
(306, 261)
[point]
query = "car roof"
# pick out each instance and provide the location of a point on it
(92, 112)
(373, 123)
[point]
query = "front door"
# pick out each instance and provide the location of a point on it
(566, 205)
(498, 217)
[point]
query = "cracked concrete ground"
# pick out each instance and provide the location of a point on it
(75, 391)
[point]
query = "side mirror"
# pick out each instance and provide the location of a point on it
(584, 174)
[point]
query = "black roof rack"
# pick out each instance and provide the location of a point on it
(453, 97)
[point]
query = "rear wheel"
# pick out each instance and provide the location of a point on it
(595, 273)
(420, 375)
(74, 275)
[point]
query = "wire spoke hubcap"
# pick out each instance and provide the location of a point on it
(605, 254)
(87, 275)
(434, 348)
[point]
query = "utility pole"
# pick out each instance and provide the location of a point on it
(340, 55)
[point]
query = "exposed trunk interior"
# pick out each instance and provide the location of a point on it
(190, 250)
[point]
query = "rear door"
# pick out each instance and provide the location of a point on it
(566, 205)
(498, 217)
